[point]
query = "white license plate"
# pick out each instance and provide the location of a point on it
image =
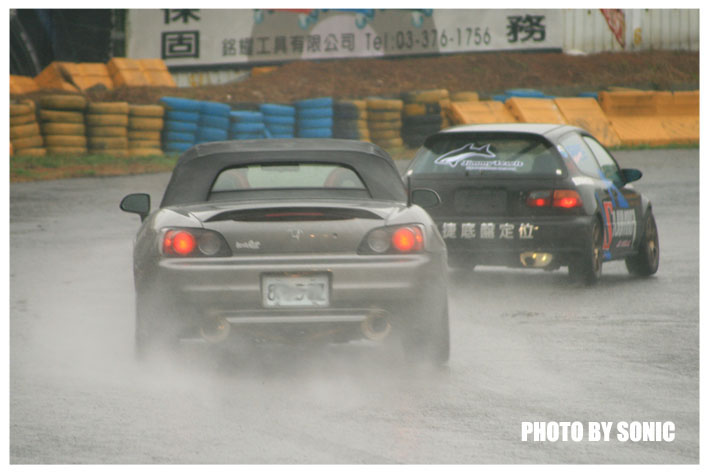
(296, 291)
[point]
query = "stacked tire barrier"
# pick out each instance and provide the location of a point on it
(314, 118)
(350, 120)
(62, 123)
(181, 123)
(384, 122)
(25, 137)
(423, 115)
(279, 120)
(145, 122)
(247, 125)
(107, 128)
(213, 122)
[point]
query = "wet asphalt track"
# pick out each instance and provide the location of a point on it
(526, 346)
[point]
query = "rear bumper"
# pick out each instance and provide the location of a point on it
(360, 286)
(501, 241)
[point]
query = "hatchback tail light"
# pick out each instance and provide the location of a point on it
(567, 199)
(539, 199)
(561, 198)
(393, 240)
(194, 242)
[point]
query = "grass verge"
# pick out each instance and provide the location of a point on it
(38, 168)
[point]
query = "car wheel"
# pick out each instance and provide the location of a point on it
(587, 268)
(429, 341)
(646, 262)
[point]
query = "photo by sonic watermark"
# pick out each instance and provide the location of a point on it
(623, 431)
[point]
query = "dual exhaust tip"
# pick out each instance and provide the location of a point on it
(376, 326)
(534, 259)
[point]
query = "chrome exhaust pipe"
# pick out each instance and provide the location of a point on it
(215, 329)
(376, 326)
(533, 259)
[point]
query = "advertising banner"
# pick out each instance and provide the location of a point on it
(213, 37)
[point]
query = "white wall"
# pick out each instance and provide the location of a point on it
(587, 30)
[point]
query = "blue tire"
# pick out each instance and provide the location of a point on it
(182, 116)
(177, 103)
(319, 112)
(276, 109)
(529, 93)
(281, 129)
(279, 120)
(247, 127)
(315, 123)
(179, 136)
(177, 146)
(315, 133)
(213, 121)
(314, 103)
(214, 108)
(211, 134)
(175, 125)
(248, 136)
(246, 116)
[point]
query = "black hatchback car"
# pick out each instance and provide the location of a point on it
(533, 196)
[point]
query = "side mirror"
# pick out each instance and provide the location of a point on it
(631, 175)
(137, 204)
(425, 198)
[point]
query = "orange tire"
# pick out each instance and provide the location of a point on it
(61, 116)
(71, 141)
(151, 111)
(63, 102)
(24, 131)
(106, 119)
(29, 142)
(109, 131)
(108, 108)
(55, 128)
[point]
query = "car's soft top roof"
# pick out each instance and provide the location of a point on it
(265, 146)
(198, 167)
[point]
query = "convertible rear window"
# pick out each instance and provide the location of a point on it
(516, 155)
(288, 177)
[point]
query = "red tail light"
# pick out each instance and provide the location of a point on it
(406, 239)
(194, 242)
(539, 199)
(179, 242)
(565, 199)
(388, 240)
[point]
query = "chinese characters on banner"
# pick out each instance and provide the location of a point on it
(208, 37)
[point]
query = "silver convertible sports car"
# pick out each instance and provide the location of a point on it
(289, 240)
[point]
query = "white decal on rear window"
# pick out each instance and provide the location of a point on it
(464, 156)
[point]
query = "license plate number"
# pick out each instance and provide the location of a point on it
(296, 291)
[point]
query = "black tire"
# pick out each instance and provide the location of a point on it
(431, 121)
(646, 262)
(428, 341)
(587, 267)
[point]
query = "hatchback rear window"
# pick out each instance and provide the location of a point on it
(516, 155)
